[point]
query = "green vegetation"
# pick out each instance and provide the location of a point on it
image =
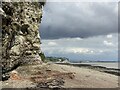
(42, 56)
(52, 59)
(56, 59)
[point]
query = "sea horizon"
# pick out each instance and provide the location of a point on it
(107, 64)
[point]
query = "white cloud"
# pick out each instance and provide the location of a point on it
(107, 43)
(75, 48)
(92, 51)
(78, 38)
(52, 43)
(109, 36)
(101, 51)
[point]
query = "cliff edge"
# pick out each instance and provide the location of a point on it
(20, 33)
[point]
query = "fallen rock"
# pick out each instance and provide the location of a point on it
(46, 78)
(15, 76)
(5, 77)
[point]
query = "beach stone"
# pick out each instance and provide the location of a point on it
(20, 33)
(5, 77)
(14, 75)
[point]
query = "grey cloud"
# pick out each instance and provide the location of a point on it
(80, 49)
(62, 20)
(119, 30)
(98, 57)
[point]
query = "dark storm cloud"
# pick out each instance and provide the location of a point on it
(62, 20)
(119, 17)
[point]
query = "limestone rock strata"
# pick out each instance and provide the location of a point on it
(20, 33)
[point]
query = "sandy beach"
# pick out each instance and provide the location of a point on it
(83, 77)
(87, 78)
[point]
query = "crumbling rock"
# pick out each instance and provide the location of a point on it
(50, 79)
(20, 33)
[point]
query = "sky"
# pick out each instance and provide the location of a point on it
(80, 30)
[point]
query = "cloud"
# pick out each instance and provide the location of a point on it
(92, 48)
(78, 50)
(52, 43)
(109, 36)
(70, 20)
(107, 43)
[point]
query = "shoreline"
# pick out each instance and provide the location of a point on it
(87, 77)
(58, 75)
(113, 71)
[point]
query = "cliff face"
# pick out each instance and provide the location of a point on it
(20, 33)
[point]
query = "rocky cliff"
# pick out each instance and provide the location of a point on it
(20, 33)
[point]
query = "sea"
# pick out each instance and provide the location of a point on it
(114, 65)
